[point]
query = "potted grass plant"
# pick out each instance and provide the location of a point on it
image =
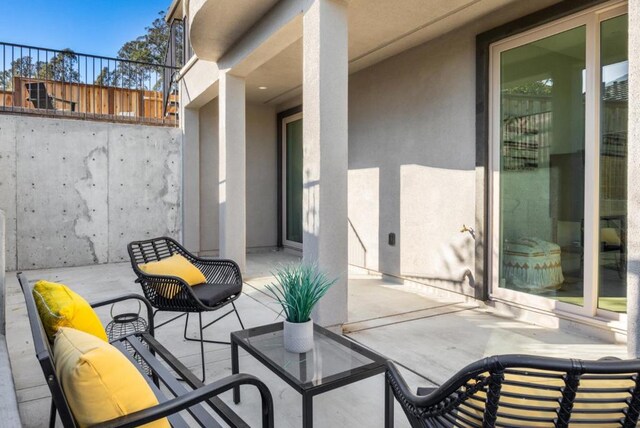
(297, 289)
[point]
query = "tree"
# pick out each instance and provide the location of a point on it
(149, 48)
(535, 88)
(20, 67)
(105, 78)
(24, 66)
(62, 67)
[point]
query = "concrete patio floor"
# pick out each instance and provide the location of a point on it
(432, 335)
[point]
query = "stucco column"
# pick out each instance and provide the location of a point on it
(325, 94)
(232, 169)
(190, 124)
(633, 185)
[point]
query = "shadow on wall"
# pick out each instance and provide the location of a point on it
(413, 122)
(410, 225)
(357, 248)
(458, 253)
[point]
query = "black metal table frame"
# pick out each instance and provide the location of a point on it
(338, 380)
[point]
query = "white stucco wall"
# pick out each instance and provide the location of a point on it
(412, 157)
(261, 177)
(412, 160)
(209, 176)
(262, 203)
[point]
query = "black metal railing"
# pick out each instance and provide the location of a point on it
(51, 82)
(173, 60)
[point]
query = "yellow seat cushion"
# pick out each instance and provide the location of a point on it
(99, 382)
(58, 306)
(175, 265)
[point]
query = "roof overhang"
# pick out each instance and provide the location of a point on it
(175, 11)
(217, 24)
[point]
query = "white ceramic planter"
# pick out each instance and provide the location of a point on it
(298, 337)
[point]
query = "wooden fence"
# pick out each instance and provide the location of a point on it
(48, 97)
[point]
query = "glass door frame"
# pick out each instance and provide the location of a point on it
(284, 122)
(591, 19)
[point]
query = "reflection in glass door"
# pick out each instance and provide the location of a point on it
(559, 162)
(292, 161)
(613, 163)
(542, 155)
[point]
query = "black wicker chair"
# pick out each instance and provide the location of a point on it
(223, 286)
(527, 391)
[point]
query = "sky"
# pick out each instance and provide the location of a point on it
(95, 27)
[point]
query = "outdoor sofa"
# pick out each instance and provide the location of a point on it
(186, 393)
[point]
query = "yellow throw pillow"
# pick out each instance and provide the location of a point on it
(58, 306)
(175, 265)
(99, 382)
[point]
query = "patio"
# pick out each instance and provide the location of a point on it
(431, 334)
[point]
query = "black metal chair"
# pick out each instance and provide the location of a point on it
(40, 98)
(223, 285)
(527, 391)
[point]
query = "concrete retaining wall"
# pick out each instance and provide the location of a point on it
(76, 192)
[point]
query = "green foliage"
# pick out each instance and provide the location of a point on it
(105, 78)
(536, 88)
(20, 67)
(299, 287)
(149, 48)
(61, 67)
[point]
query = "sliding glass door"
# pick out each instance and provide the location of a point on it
(542, 151)
(292, 182)
(559, 162)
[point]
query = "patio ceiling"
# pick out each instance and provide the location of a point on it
(378, 29)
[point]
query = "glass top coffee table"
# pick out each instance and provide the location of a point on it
(335, 361)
